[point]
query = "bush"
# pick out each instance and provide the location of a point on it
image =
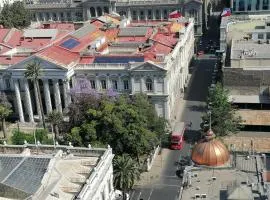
(19, 137)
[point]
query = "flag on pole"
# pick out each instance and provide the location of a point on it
(175, 14)
(226, 12)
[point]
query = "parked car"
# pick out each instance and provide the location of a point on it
(119, 195)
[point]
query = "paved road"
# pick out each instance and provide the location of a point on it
(168, 184)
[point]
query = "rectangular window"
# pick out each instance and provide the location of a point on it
(103, 84)
(260, 36)
(126, 86)
(93, 84)
(268, 36)
(114, 83)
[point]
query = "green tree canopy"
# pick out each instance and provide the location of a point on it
(129, 125)
(15, 15)
(126, 172)
(223, 115)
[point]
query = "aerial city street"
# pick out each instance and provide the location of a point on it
(135, 99)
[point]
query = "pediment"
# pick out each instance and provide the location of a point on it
(45, 64)
(148, 67)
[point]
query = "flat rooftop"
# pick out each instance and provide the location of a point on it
(223, 182)
(45, 172)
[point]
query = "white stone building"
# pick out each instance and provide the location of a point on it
(151, 58)
(79, 10)
(60, 172)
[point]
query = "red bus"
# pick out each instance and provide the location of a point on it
(177, 137)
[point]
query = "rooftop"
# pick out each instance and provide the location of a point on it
(46, 172)
(223, 183)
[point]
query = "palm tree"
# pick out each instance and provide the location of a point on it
(126, 172)
(33, 72)
(5, 111)
(55, 118)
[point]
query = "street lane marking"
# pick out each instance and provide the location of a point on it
(150, 194)
(139, 195)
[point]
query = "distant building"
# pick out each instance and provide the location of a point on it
(250, 6)
(107, 54)
(62, 172)
(81, 10)
(245, 43)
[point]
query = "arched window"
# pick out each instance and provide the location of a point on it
(93, 12)
(149, 84)
(99, 11)
(194, 14)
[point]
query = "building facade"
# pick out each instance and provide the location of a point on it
(151, 58)
(250, 6)
(83, 10)
(56, 172)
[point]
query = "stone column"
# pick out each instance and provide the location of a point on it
(154, 14)
(88, 14)
(57, 95)
(145, 15)
(246, 5)
(108, 83)
(96, 14)
(132, 85)
(165, 85)
(47, 95)
(161, 15)
(261, 4)
(28, 101)
(237, 5)
(155, 85)
(67, 93)
(119, 84)
(129, 14)
(166, 110)
(18, 98)
(142, 84)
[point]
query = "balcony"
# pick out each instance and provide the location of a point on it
(145, 2)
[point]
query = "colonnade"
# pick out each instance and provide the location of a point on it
(21, 87)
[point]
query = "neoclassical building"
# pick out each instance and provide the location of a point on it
(56, 172)
(82, 10)
(108, 54)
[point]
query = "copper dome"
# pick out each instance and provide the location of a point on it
(210, 152)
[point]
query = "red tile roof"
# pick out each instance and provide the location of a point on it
(7, 60)
(59, 55)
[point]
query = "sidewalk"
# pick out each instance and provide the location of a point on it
(154, 174)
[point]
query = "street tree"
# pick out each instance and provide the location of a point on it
(55, 118)
(126, 172)
(33, 72)
(130, 125)
(224, 119)
(15, 15)
(5, 111)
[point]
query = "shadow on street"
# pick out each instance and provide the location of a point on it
(192, 136)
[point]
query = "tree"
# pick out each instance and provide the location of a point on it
(223, 114)
(33, 72)
(5, 111)
(126, 172)
(55, 118)
(15, 15)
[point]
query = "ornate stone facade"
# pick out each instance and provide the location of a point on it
(82, 10)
